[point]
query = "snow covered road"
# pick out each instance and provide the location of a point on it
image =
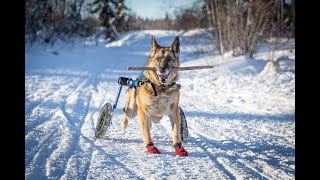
(241, 123)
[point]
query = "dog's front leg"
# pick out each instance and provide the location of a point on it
(176, 136)
(176, 120)
(145, 125)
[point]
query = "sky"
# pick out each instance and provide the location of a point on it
(155, 9)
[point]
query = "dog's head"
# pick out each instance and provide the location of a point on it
(164, 59)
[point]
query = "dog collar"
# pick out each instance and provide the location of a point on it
(146, 80)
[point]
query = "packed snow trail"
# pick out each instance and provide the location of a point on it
(241, 123)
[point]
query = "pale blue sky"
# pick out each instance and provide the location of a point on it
(157, 8)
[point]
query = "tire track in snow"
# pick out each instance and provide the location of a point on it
(110, 156)
(262, 131)
(253, 135)
(226, 148)
(60, 156)
(258, 170)
(234, 169)
(79, 163)
(246, 163)
(217, 164)
(33, 145)
(77, 146)
(78, 132)
(33, 168)
(64, 103)
(90, 157)
(92, 80)
(47, 103)
(265, 170)
(220, 166)
(230, 162)
(31, 129)
(49, 138)
(31, 105)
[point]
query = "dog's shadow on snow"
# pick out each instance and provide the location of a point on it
(122, 140)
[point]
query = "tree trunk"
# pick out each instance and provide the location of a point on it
(209, 15)
(294, 16)
(281, 17)
(241, 42)
(218, 26)
(278, 17)
(229, 29)
(248, 26)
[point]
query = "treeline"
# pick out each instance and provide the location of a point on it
(184, 19)
(241, 25)
(238, 25)
(49, 20)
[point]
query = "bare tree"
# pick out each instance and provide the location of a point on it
(241, 24)
(215, 8)
(187, 19)
(261, 20)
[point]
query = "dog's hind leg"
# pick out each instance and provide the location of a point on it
(130, 109)
(125, 120)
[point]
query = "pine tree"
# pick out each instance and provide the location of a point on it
(106, 16)
(120, 14)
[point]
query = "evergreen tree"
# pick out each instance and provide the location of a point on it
(120, 14)
(106, 16)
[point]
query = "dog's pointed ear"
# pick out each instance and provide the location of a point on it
(154, 46)
(175, 47)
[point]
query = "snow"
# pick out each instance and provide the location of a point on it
(241, 120)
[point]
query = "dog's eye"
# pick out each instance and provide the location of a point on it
(159, 58)
(169, 58)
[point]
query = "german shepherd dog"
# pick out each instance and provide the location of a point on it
(157, 96)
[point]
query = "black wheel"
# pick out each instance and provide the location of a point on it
(184, 126)
(104, 120)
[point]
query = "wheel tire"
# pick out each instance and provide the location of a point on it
(104, 120)
(184, 126)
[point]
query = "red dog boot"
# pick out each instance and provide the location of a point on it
(179, 149)
(152, 149)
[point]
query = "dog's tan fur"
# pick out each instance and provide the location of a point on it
(142, 100)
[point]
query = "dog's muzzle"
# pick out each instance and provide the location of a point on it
(163, 76)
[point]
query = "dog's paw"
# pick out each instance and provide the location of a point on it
(180, 151)
(152, 149)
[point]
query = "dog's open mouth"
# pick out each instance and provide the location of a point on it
(163, 77)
